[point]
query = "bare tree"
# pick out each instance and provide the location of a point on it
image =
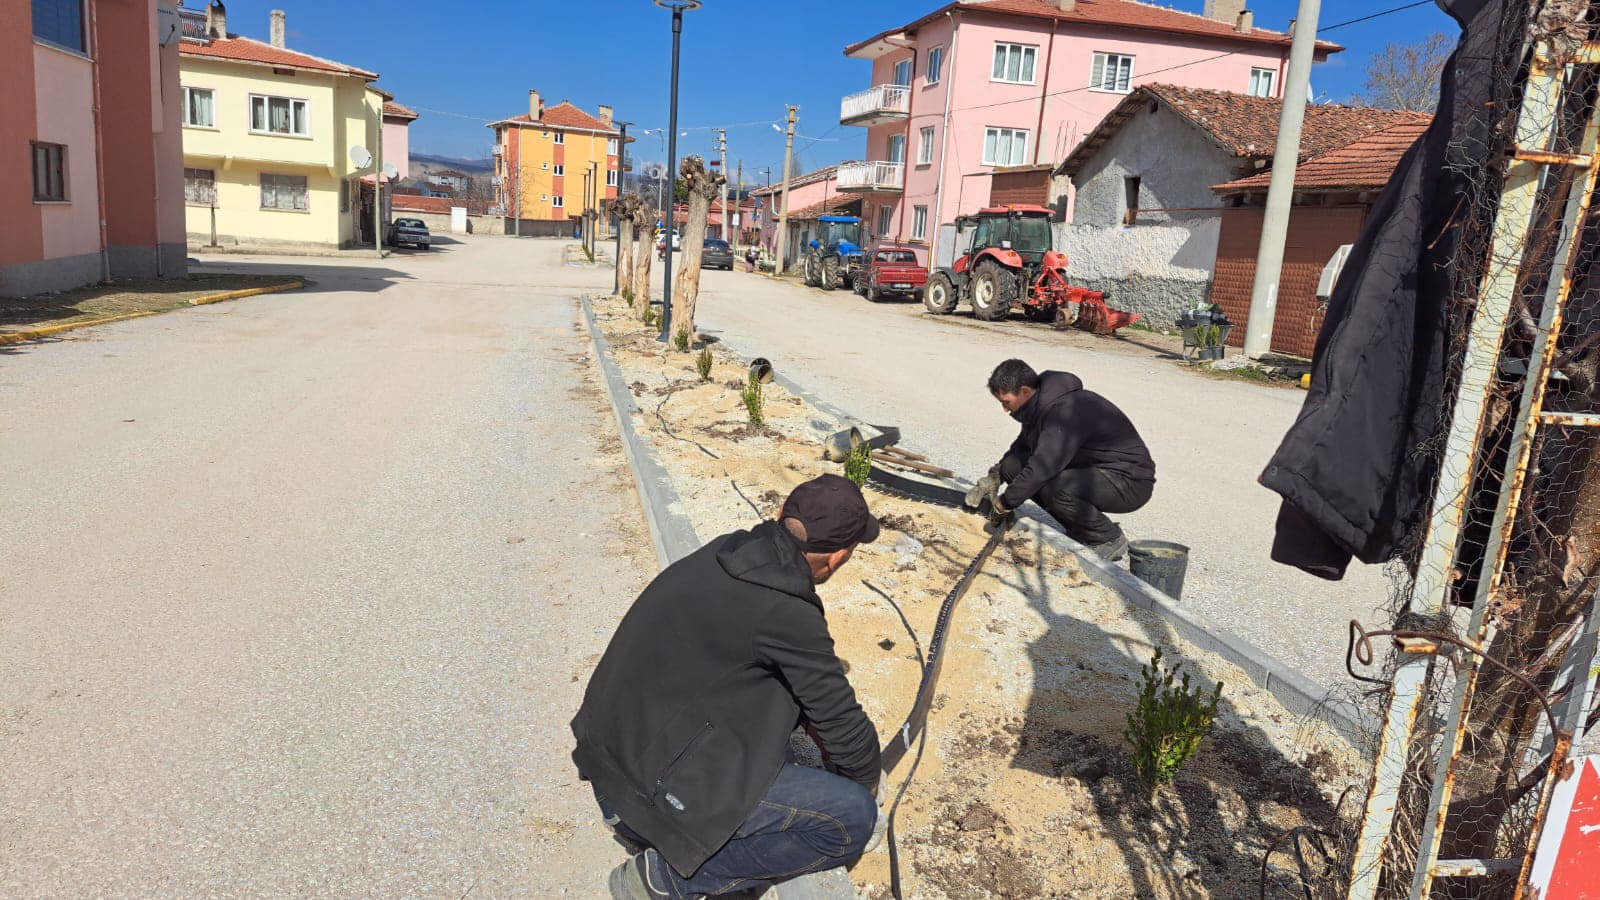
(701, 185)
(644, 248)
(1406, 76)
(633, 216)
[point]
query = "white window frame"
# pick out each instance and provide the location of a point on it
(611, 178)
(262, 183)
(1256, 74)
(57, 181)
(209, 126)
(1101, 63)
(560, 137)
(925, 148)
(1027, 56)
(991, 143)
(266, 110)
(560, 169)
(919, 223)
(558, 201)
(935, 65)
(910, 68)
(187, 200)
(611, 146)
(885, 220)
(896, 140)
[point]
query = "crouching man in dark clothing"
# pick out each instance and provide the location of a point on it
(684, 728)
(1078, 456)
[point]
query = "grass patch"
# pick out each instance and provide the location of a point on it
(121, 297)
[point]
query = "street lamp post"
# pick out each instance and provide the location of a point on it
(678, 7)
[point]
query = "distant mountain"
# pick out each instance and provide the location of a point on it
(426, 162)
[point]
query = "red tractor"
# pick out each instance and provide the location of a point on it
(1005, 261)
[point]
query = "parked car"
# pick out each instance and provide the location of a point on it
(661, 244)
(892, 272)
(410, 231)
(716, 254)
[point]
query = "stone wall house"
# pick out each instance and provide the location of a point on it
(1146, 223)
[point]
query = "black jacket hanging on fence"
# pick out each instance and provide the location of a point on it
(1350, 470)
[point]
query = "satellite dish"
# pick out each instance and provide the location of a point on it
(390, 172)
(656, 171)
(360, 157)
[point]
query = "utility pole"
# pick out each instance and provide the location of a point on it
(738, 205)
(592, 213)
(622, 183)
(1280, 193)
(783, 214)
(377, 188)
(722, 148)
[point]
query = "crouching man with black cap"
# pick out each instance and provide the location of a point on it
(684, 728)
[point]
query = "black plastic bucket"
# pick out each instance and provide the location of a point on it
(1160, 564)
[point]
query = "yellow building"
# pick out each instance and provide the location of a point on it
(267, 139)
(541, 158)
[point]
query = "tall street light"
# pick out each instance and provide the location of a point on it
(678, 8)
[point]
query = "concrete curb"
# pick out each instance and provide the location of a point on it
(1297, 693)
(33, 334)
(248, 292)
(670, 530)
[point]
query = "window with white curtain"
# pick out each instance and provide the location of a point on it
(1111, 72)
(935, 65)
(897, 148)
(885, 219)
(919, 223)
(198, 108)
(1005, 146)
(1261, 82)
(280, 115)
(1014, 63)
(200, 187)
(285, 192)
(925, 148)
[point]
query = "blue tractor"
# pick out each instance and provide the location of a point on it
(835, 257)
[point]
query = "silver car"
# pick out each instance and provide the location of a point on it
(410, 231)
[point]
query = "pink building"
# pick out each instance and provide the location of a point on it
(397, 121)
(984, 86)
(91, 154)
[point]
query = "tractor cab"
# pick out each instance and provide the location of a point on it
(1024, 230)
(838, 234)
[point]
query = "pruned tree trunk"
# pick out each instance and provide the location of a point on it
(642, 251)
(629, 208)
(702, 186)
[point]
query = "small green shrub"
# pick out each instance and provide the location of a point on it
(1167, 725)
(627, 294)
(751, 395)
(858, 464)
(702, 363)
(1208, 335)
(680, 340)
(649, 317)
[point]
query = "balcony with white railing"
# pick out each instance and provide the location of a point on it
(876, 105)
(871, 177)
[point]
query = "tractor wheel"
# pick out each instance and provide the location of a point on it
(940, 295)
(994, 290)
(830, 274)
(809, 271)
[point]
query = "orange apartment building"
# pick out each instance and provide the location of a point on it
(91, 149)
(541, 157)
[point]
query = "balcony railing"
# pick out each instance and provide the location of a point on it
(876, 105)
(866, 177)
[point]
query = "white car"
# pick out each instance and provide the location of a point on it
(661, 243)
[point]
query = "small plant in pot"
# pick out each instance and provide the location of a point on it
(1206, 329)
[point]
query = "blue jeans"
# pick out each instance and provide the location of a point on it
(808, 821)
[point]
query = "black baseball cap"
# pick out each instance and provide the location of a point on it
(834, 514)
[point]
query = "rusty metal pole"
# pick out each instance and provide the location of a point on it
(1513, 221)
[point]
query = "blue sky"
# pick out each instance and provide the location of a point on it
(462, 64)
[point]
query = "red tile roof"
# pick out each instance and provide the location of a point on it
(833, 204)
(1365, 164)
(797, 181)
(1117, 13)
(250, 50)
(402, 203)
(395, 110)
(1241, 125)
(563, 115)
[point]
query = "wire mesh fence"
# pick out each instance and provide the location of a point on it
(1493, 588)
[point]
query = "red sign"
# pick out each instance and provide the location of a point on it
(1567, 866)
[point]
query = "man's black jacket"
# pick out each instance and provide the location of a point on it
(1066, 427)
(686, 721)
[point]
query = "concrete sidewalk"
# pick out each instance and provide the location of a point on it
(893, 363)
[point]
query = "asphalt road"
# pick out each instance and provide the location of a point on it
(298, 593)
(893, 364)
